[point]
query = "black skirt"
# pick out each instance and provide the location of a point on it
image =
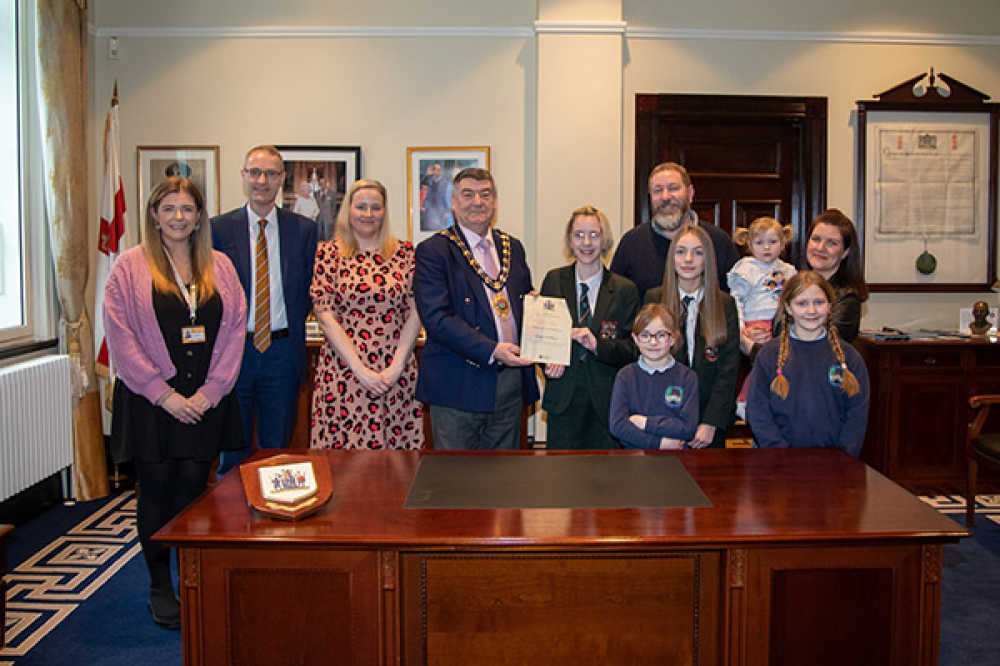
(143, 432)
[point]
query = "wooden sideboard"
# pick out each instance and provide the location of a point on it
(919, 408)
(806, 556)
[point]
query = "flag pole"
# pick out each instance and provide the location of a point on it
(112, 240)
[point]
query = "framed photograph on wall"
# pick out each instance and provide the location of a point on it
(316, 179)
(429, 173)
(199, 163)
(927, 187)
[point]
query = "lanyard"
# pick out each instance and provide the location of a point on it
(190, 294)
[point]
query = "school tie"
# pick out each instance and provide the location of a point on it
(585, 314)
(262, 295)
(689, 330)
(507, 333)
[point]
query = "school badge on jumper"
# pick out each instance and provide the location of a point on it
(673, 396)
(609, 330)
(835, 375)
(711, 354)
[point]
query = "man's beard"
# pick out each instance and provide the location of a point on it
(670, 221)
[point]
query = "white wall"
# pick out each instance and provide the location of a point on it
(386, 75)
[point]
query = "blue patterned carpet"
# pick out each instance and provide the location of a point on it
(77, 590)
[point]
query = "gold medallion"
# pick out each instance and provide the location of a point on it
(501, 305)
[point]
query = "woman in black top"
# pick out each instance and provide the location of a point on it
(832, 251)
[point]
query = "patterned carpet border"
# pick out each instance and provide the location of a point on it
(46, 588)
(987, 506)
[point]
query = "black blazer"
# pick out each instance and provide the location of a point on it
(615, 310)
(716, 368)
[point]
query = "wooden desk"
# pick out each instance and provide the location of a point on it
(806, 557)
(919, 409)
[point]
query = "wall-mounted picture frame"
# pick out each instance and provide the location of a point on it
(429, 174)
(199, 163)
(316, 179)
(927, 187)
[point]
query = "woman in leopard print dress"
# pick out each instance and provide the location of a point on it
(363, 298)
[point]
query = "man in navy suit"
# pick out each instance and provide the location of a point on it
(469, 285)
(274, 358)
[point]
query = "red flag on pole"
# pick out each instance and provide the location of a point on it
(112, 238)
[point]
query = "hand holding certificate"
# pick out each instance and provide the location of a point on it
(545, 335)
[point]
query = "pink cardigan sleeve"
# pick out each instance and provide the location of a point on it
(121, 326)
(227, 354)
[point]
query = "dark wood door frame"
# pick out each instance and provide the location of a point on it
(807, 115)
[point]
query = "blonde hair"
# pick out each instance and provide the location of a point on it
(795, 286)
(711, 313)
(387, 245)
(199, 242)
(607, 236)
(745, 235)
(650, 313)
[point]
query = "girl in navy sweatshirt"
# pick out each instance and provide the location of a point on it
(654, 402)
(807, 387)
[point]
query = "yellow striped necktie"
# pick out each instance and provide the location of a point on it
(262, 295)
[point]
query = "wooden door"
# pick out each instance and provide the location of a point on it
(747, 156)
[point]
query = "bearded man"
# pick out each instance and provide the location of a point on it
(642, 253)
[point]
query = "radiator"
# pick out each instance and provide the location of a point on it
(36, 424)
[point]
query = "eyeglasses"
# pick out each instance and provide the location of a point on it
(592, 235)
(471, 195)
(255, 174)
(660, 336)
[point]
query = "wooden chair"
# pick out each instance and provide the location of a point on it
(981, 448)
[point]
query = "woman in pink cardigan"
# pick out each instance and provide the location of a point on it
(175, 320)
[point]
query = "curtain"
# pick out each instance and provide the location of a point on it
(62, 102)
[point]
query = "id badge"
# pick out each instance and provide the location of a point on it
(191, 335)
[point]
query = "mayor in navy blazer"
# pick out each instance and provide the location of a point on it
(577, 397)
(475, 383)
(269, 381)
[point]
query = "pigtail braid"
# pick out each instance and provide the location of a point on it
(780, 384)
(850, 384)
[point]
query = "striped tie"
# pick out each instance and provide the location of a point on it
(262, 295)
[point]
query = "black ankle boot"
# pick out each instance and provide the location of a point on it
(165, 607)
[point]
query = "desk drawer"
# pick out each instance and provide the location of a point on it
(930, 358)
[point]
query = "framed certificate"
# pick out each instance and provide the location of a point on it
(927, 187)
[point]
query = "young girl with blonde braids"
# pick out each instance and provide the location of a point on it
(807, 387)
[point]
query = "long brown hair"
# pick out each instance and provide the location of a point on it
(711, 312)
(199, 242)
(849, 271)
(795, 286)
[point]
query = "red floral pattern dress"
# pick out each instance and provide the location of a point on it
(371, 298)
